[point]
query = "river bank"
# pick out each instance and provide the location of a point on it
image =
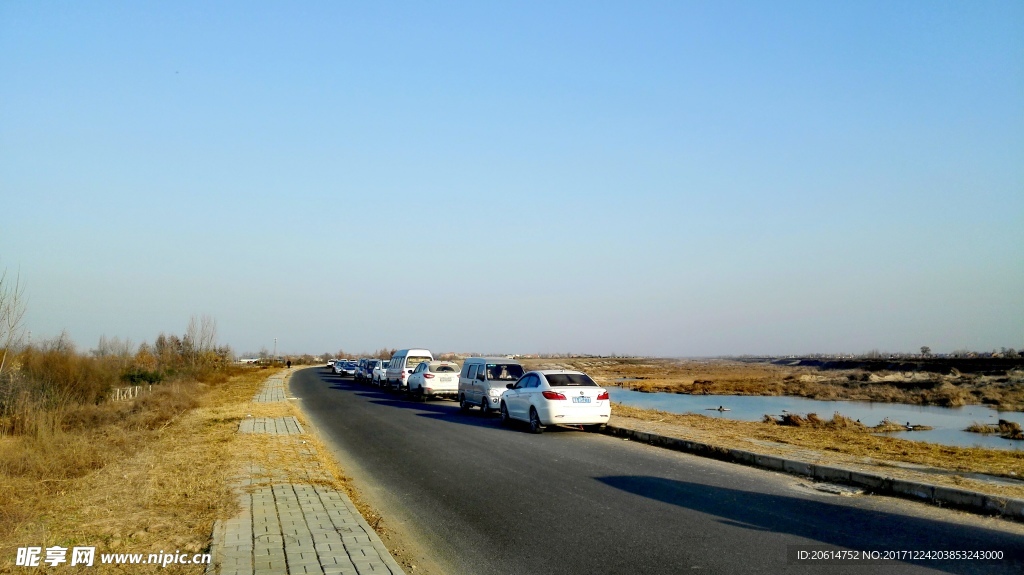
(998, 386)
(996, 472)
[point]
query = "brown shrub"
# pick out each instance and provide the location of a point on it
(794, 420)
(152, 410)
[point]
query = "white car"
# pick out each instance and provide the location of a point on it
(379, 372)
(434, 379)
(401, 365)
(556, 397)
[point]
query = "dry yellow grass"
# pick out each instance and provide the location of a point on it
(150, 481)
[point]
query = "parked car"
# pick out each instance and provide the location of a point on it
(345, 367)
(434, 379)
(330, 364)
(402, 363)
(483, 379)
(364, 370)
(379, 372)
(556, 397)
(348, 368)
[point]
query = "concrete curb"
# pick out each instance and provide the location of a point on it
(964, 499)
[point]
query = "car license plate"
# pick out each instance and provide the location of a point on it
(446, 379)
(581, 399)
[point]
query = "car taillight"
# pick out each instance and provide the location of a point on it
(602, 395)
(428, 375)
(552, 395)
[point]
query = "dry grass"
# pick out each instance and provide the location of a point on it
(837, 440)
(1006, 429)
(139, 476)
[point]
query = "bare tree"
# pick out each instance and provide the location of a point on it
(200, 339)
(207, 334)
(12, 314)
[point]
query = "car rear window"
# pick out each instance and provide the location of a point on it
(413, 361)
(504, 371)
(445, 369)
(569, 380)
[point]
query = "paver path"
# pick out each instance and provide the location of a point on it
(288, 527)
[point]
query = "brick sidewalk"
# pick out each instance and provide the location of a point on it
(287, 527)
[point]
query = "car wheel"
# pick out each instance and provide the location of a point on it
(505, 419)
(483, 406)
(463, 404)
(535, 425)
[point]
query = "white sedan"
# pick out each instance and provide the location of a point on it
(434, 379)
(556, 397)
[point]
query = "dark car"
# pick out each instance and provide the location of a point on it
(364, 370)
(348, 368)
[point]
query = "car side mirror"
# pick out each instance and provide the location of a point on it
(510, 386)
(481, 377)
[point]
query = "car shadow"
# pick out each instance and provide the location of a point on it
(836, 526)
(440, 409)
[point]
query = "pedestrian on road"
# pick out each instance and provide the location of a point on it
(289, 364)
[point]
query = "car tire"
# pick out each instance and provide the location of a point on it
(506, 420)
(535, 425)
(484, 409)
(463, 404)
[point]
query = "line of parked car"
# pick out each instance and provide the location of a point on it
(492, 384)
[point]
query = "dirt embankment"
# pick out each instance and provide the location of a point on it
(935, 383)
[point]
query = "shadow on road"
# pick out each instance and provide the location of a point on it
(832, 525)
(440, 409)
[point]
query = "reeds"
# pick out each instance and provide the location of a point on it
(1005, 429)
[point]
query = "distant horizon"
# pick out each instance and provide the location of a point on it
(368, 353)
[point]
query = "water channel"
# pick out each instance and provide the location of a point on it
(948, 422)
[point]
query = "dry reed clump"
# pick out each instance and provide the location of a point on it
(1006, 429)
(838, 421)
(1010, 429)
(132, 476)
(976, 427)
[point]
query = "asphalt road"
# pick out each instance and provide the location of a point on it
(470, 496)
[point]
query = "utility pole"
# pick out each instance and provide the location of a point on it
(275, 348)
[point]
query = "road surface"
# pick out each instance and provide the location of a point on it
(466, 495)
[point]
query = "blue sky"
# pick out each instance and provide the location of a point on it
(664, 178)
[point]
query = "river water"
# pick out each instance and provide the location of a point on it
(948, 422)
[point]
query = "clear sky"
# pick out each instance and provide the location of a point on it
(672, 178)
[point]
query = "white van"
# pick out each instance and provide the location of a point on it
(401, 365)
(483, 379)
